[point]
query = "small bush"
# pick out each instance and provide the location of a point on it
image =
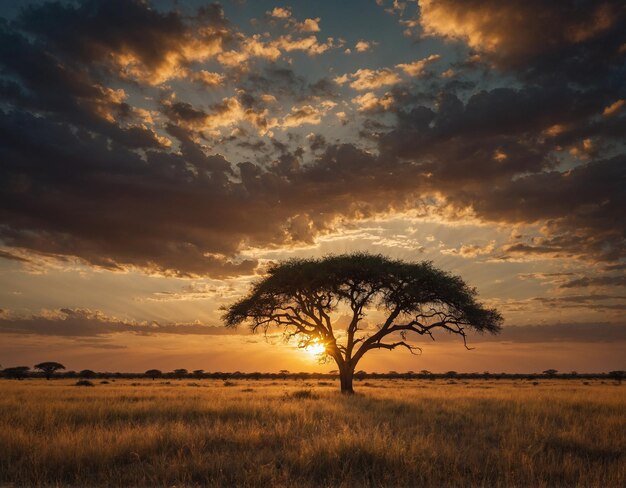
(229, 383)
(84, 383)
(303, 394)
(193, 384)
(247, 390)
(104, 382)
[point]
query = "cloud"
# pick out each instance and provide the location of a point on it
(308, 25)
(574, 332)
(362, 46)
(13, 257)
(128, 37)
(595, 281)
(571, 36)
(309, 44)
(418, 68)
(93, 327)
(249, 47)
(551, 277)
(367, 79)
(306, 114)
(81, 323)
(470, 250)
(280, 13)
(208, 78)
(614, 108)
(227, 113)
(102, 165)
(369, 102)
(495, 137)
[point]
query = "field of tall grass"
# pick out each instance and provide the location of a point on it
(294, 433)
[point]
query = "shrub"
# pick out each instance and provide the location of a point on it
(84, 383)
(303, 394)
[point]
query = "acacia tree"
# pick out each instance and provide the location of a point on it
(180, 373)
(301, 295)
(16, 372)
(87, 374)
(48, 368)
(153, 373)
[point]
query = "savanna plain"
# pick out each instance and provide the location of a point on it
(299, 433)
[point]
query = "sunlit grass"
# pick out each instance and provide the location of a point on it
(298, 433)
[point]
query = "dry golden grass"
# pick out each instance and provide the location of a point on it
(292, 433)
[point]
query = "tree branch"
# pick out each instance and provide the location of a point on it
(380, 345)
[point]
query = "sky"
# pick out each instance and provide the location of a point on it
(156, 156)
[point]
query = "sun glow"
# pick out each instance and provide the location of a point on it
(315, 348)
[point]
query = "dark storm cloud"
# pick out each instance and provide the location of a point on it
(497, 152)
(128, 37)
(85, 175)
(63, 92)
(573, 37)
(115, 206)
(583, 208)
(495, 155)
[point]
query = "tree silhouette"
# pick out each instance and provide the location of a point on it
(16, 372)
(617, 375)
(301, 294)
(87, 373)
(198, 373)
(153, 373)
(180, 373)
(550, 372)
(49, 368)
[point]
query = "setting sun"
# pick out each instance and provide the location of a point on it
(315, 349)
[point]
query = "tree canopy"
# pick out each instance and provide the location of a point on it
(48, 368)
(16, 372)
(301, 295)
(153, 373)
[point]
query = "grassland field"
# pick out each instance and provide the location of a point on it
(291, 433)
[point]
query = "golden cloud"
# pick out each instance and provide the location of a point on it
(515, 31)
(417, 68)
(309, 25)
(367, 79)
(369, 102)
(614, 108)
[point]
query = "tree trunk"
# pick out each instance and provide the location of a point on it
(345, 375)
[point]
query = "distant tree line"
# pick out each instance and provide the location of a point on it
(51, 369)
